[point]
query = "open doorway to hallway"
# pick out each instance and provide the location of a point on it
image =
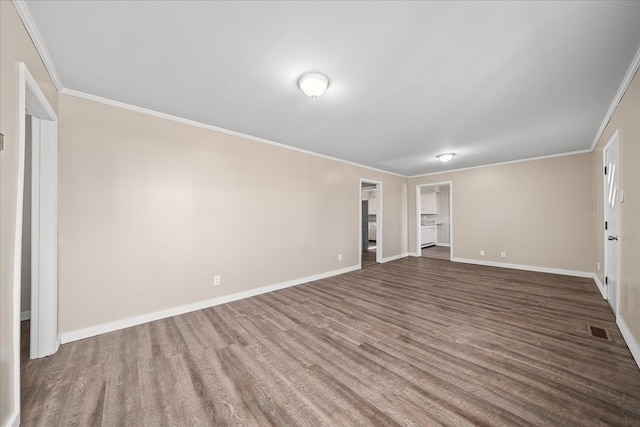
(370, 224)
(434, 220)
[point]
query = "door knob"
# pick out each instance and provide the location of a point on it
(612, 238)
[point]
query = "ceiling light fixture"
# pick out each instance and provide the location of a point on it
(445, 157)
(313, 84)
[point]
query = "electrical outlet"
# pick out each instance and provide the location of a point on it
(216, 280)
(503, 254)
(340, 257)
(481, 252)
(598, 265)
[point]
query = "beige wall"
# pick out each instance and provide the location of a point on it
(539, 212)
(151, 209)
(627, 120)
(15, 47)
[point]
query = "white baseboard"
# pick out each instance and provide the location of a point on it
(525, 267)
(25, 315)
(395, 257)
(446, 245)
(415, 254)
(150, 317)
(631, 341)
(600, 286)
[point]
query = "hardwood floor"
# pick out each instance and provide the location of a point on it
(416, 341)
(437, 252)
(368, 258)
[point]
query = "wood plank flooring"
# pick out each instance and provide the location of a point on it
(368, 258)
(414, 342)
(437, 252)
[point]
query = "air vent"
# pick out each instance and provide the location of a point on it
(594, 331)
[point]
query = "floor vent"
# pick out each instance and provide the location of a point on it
(594, 331)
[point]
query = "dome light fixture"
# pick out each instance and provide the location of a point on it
(445, 157)
(313, 84)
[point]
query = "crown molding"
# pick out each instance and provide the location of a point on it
(32, 30)
(189, 122)
(508, 162)
(631, 72)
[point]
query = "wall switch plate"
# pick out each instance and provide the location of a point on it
(503, 254)
(216, 280)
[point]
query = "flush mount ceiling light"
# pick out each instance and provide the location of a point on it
(445, 157)
(313, 84)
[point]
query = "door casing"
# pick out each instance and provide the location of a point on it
(418, 203)
(31, 100)
(612, 218)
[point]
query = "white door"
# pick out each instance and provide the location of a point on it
(44, 239)
(611, 208)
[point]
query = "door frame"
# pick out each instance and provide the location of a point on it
(614, 140)
(418, 209)
(379, 213)
(31, 100)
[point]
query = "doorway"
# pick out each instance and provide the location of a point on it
(370, 223)
(612, 198)
(44, 337)
(434, 220)
(43, 127)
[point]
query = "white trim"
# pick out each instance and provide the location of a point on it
(44, 236)
(189, 122)
(44, 220)
(418, 232)
(415, 254)
(633, 68)
(615, 139)
(32, 29)
(25, 315)
(508, 162)
(29, 95)
(14, 419)
(17, 243)
(150, 317)
(444, 245)
(394, 257)
(574, 273)
(629, 339)
(600, 286)
(34, 332)
(379, 222)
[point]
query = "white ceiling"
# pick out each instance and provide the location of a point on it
(491, 81)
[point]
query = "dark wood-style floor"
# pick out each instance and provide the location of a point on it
(368, 258)
(437, 252)
(416, 341)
